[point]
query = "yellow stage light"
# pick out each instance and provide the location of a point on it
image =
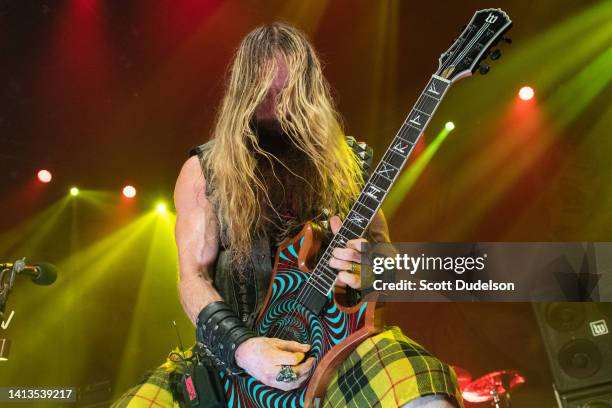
(161, 208)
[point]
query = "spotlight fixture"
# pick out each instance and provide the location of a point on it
(449, 126)
(74, 191)
(44, 176)
(161, 208)
(526, 93)
(129, 191)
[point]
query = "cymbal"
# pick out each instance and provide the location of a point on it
(483, 388)
(464, 378)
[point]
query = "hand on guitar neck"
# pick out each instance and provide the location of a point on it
(346, 260)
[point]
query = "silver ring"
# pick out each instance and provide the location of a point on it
(286, 374)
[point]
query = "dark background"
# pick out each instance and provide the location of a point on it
(104, 93)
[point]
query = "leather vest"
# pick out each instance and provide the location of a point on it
(256, 278)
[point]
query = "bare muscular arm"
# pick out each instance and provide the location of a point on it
(198, 246)
(196, 239)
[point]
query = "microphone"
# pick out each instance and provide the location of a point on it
(41, 273)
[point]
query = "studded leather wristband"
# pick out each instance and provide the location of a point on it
(219, 332)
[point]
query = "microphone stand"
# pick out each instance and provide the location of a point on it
(8, 274)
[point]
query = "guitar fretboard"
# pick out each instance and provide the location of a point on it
(378, 185)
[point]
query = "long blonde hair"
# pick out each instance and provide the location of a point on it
(306, 113)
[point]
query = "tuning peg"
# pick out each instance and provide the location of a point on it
(507, 40)
(483, 69)
(496, 54)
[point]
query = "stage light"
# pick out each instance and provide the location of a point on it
(526, 93)
(129, 191)
(74, 191)
(44, 176)
(410, 176)
(161, 208)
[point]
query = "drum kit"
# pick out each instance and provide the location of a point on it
(495, 387)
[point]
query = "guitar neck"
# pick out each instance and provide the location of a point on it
(382, 179)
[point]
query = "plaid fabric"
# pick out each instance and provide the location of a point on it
(387, 370)
(154, 392)
(390, 370)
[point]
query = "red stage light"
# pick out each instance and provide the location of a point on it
(44, 176)
(129, 191)
(526, 93)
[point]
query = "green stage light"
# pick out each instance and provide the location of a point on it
(74, 191)
(157, 276)
(449, 126)
(161, 208)
(409, 177)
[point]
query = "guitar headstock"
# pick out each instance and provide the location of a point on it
(482, 33)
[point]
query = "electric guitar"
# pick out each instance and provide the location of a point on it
(300, 304)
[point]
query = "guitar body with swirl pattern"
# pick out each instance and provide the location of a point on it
(333, 334)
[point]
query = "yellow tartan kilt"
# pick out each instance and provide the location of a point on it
(386, 370)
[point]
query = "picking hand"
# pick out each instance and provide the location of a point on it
(263, 358)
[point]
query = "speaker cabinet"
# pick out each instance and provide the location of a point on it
(594, 397)
(578, 341)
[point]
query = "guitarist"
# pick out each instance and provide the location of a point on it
(278, 158)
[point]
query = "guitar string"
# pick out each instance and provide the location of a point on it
(306, 294)
(452, 54)
(470, 44)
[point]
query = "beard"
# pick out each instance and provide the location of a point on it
(291, 198)
(273, 140)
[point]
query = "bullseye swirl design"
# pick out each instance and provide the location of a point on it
(286, 318)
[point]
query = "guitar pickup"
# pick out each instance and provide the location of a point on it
(315, 302)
